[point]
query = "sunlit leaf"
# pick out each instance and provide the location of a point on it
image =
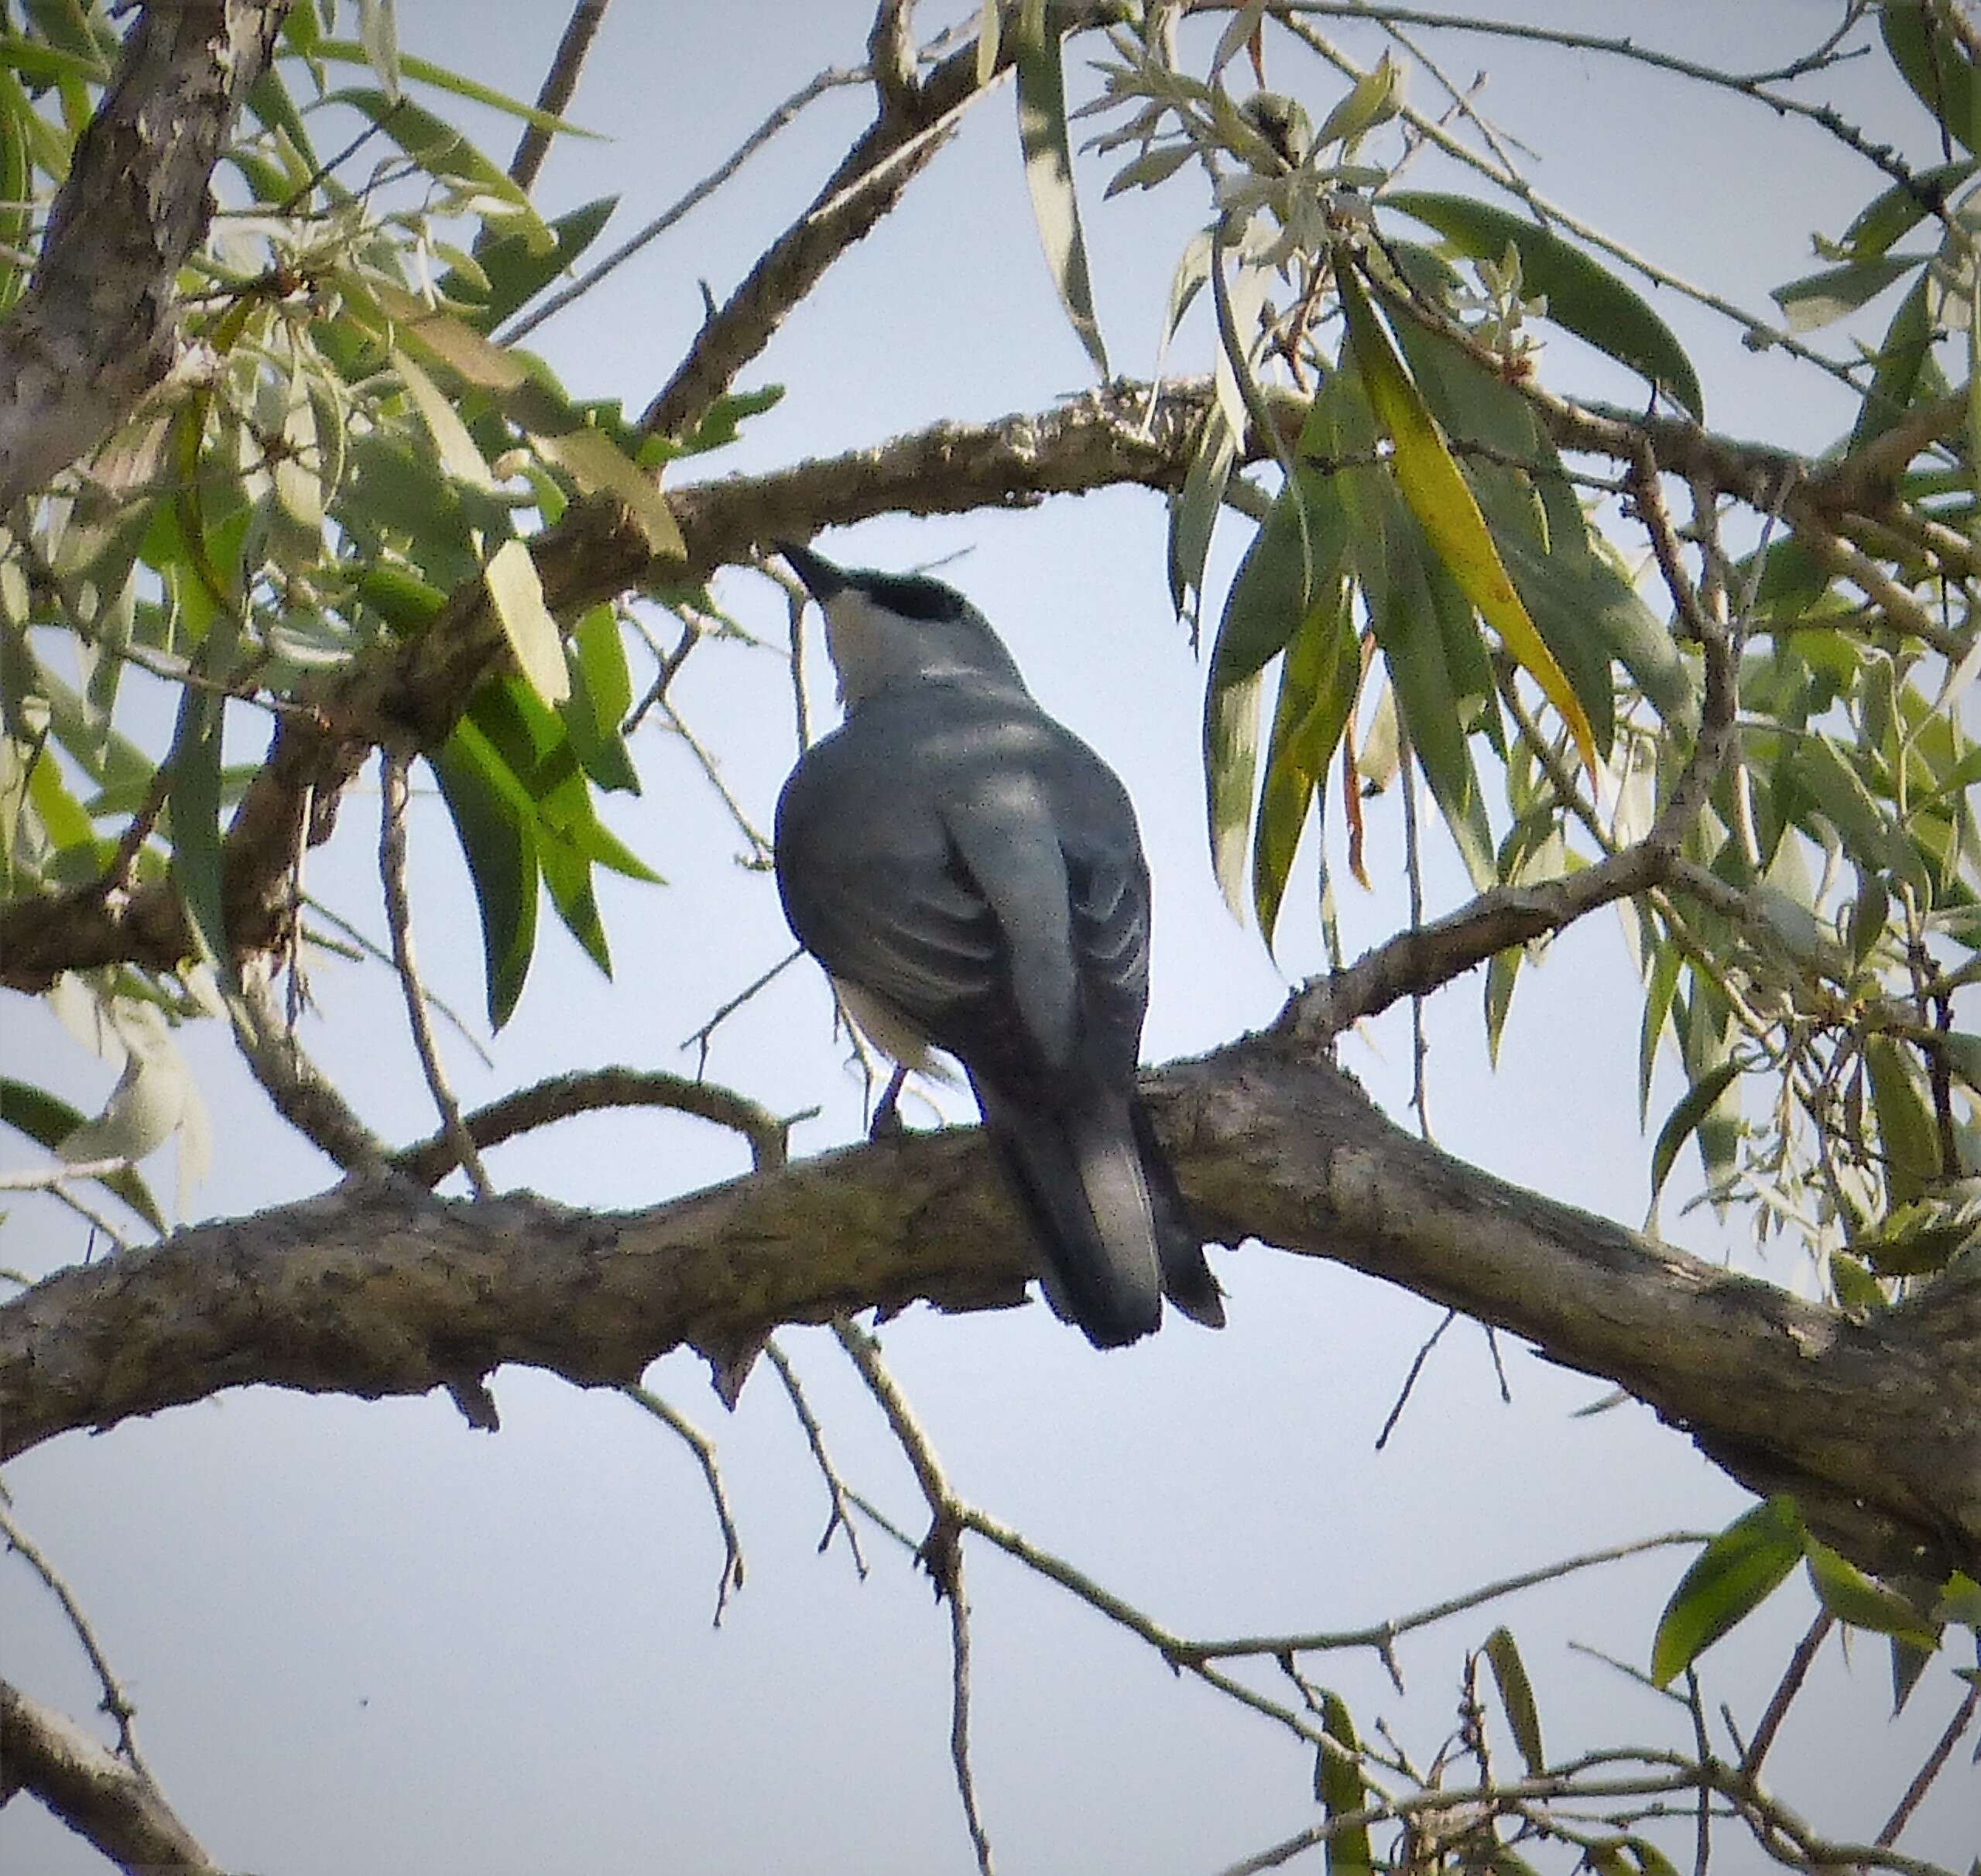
(1818, 299)
(1731, 1577)
(1042, 136)
(1231, 762)
(1582, 295)
(526, 623)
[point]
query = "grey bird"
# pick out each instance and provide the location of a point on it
(970, 876)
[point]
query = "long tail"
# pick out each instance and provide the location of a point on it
(1077, 1171)
(1186, 1278)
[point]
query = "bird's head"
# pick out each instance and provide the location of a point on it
(888, 629)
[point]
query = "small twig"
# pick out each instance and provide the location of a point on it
(1410, 1379)
(1381, 1634)
(1935, 1761)
(559, 82)
(805, 93)
(115, 1702)
(704, 1450)
(395, 770)
(701, 1039)
(941, 1555)
(1786, 1690)
(369, 947)
(835, 1488)
(46, 1178)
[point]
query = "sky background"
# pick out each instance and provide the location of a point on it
(363, 1638)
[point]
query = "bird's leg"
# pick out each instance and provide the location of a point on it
(887, 1123)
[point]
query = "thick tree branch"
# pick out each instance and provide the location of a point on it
(98, 328)
(410, 696)
(378, 1288)
(97, 1796)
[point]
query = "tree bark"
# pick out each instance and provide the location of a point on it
(98, 326)
(376, 1287)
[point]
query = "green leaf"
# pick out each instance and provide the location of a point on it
(49, 1121)
(1852, 1280)
(1904, 367)
(1818, 299)
(1338, 1785)
(1583, 296)
(437, 147)
(601, 691)
(1194, 515)
(1861, 1601)
(404, 601)
(1915, 1239)
(1042, 136)
(1683, 1120)
(1318, 681)
(1928, 58)
(516, 268)
(1660, 989)
(526, 623)
(1895, 214)
(585, 453)
(495, 822)
(1908, 1662)
(1731, 1577)
(1503, 971)
(1438, 496)
(567, 874)
(1516, 1695)
(424, 71)
(1908, 1138)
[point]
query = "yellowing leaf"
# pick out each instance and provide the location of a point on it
(1438, 497)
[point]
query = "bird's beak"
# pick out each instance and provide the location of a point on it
(822, 579)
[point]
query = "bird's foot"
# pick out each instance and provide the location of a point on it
(887, 1123)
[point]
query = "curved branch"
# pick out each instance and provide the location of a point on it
(377, 1288)
(410, 694)
(98, 326)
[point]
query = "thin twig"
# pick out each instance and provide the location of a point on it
(395, 770)
(1935, 1761)
(805, 93)
(1410, 1379)
(702, 1036)
(1784, 1697)
(941, 1555)
(704, 1450)
(835, 1488)
(115, 1702)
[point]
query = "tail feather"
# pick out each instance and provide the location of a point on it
(1186, 1278)
(1077, 1173)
